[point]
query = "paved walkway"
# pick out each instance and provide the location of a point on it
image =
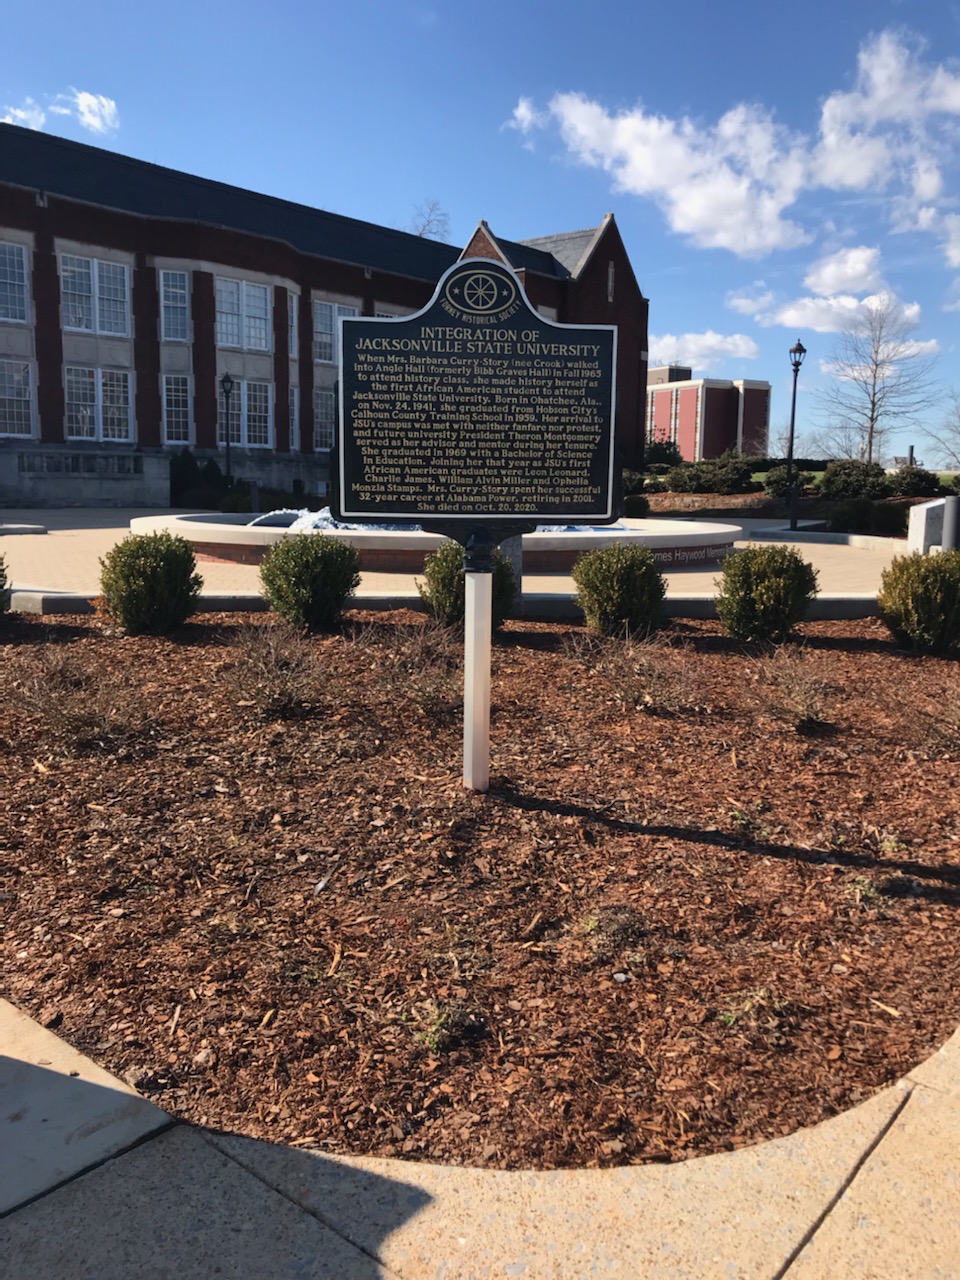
(96, 1182)
(66, 559)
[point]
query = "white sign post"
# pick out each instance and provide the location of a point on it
(478, 629)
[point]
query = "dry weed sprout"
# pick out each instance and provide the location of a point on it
(419, 666)
(646, 675)
(76, 712)
(790, 691)
(276, 674)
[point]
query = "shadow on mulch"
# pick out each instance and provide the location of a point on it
(27, 629)
(945, 872)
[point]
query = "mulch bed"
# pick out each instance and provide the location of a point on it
(711, 896)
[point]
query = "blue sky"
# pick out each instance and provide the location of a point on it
(769, 167)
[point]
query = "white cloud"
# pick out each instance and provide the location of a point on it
(951, 244)
(749, 302)
(92, 111)
(28, 116)
(701, 350)
(733, 183)
(853, 270)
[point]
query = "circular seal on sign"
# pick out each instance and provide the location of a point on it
(480, 292)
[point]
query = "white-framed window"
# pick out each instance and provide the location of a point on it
(293, 324)
(16, 398)
(294, 417)
(94, 295)
(98, 404)
(325, 317)
(251, 416)
(176, 408)
(324, 418)
(13, 282)
(174, 306)
(243, 314)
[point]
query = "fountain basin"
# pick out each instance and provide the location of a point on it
(230, 539)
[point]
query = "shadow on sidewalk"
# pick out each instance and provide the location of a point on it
(97, 1182)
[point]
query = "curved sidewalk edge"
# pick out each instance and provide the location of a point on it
(874, 1192)
(556, 606)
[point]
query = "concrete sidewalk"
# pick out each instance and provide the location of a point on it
(97, 1182)
(66, 560)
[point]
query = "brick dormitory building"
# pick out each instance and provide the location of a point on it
(127, 290)
(704, 417)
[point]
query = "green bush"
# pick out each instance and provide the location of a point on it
(149, 583)
(4, 598)
(308, 577)
(663, 452)
(914, 482)
(632, 481)
(620, 589)
(727, 474)
(656, 485)
(776, 481)
(919, 600)
(863, 515)
(848, 478)
(443, 590)
(636, 506)
(764, 592)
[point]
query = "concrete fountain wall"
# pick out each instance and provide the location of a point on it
(232, 539)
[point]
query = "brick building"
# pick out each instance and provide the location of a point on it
(704, 417)
(127, 291)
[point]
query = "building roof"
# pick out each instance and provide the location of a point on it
(568, 249)
(43, 162)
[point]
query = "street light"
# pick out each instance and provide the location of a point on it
(797, 352)
(226, 386)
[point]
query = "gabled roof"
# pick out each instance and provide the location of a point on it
(569, 249)
(42, 162)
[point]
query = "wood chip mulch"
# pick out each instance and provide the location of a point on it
(711, 896)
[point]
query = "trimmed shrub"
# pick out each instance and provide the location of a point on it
(862, 515)
(636, 506)
(727, 474)
(307, 579)
(662, 451)
(656, 485)
(620, 589)
(848, 478)
(919, 600)
(4, 598)
(764, 592)
(632, 481)
(149, 583)
(914, 482)
(443, 590)
(776, 481)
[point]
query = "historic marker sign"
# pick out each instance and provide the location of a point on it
(476, 408)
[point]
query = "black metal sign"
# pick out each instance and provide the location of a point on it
(476, 409)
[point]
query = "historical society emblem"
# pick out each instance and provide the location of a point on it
(481, 295)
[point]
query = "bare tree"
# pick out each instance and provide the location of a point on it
(946, 437)
(430, 220)
(882, 380)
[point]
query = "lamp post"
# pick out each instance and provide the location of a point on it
(797, 352)
(226, 386)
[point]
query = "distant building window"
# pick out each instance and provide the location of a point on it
(293, 326)
(611, 279)
(251, 422)
(324, 419)
(94, 295)
(174, 306)
(294, 417)
(325, 317)
(243, 315)
(16, 399)
(176, 408)
(13, 282)
(98, 404)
